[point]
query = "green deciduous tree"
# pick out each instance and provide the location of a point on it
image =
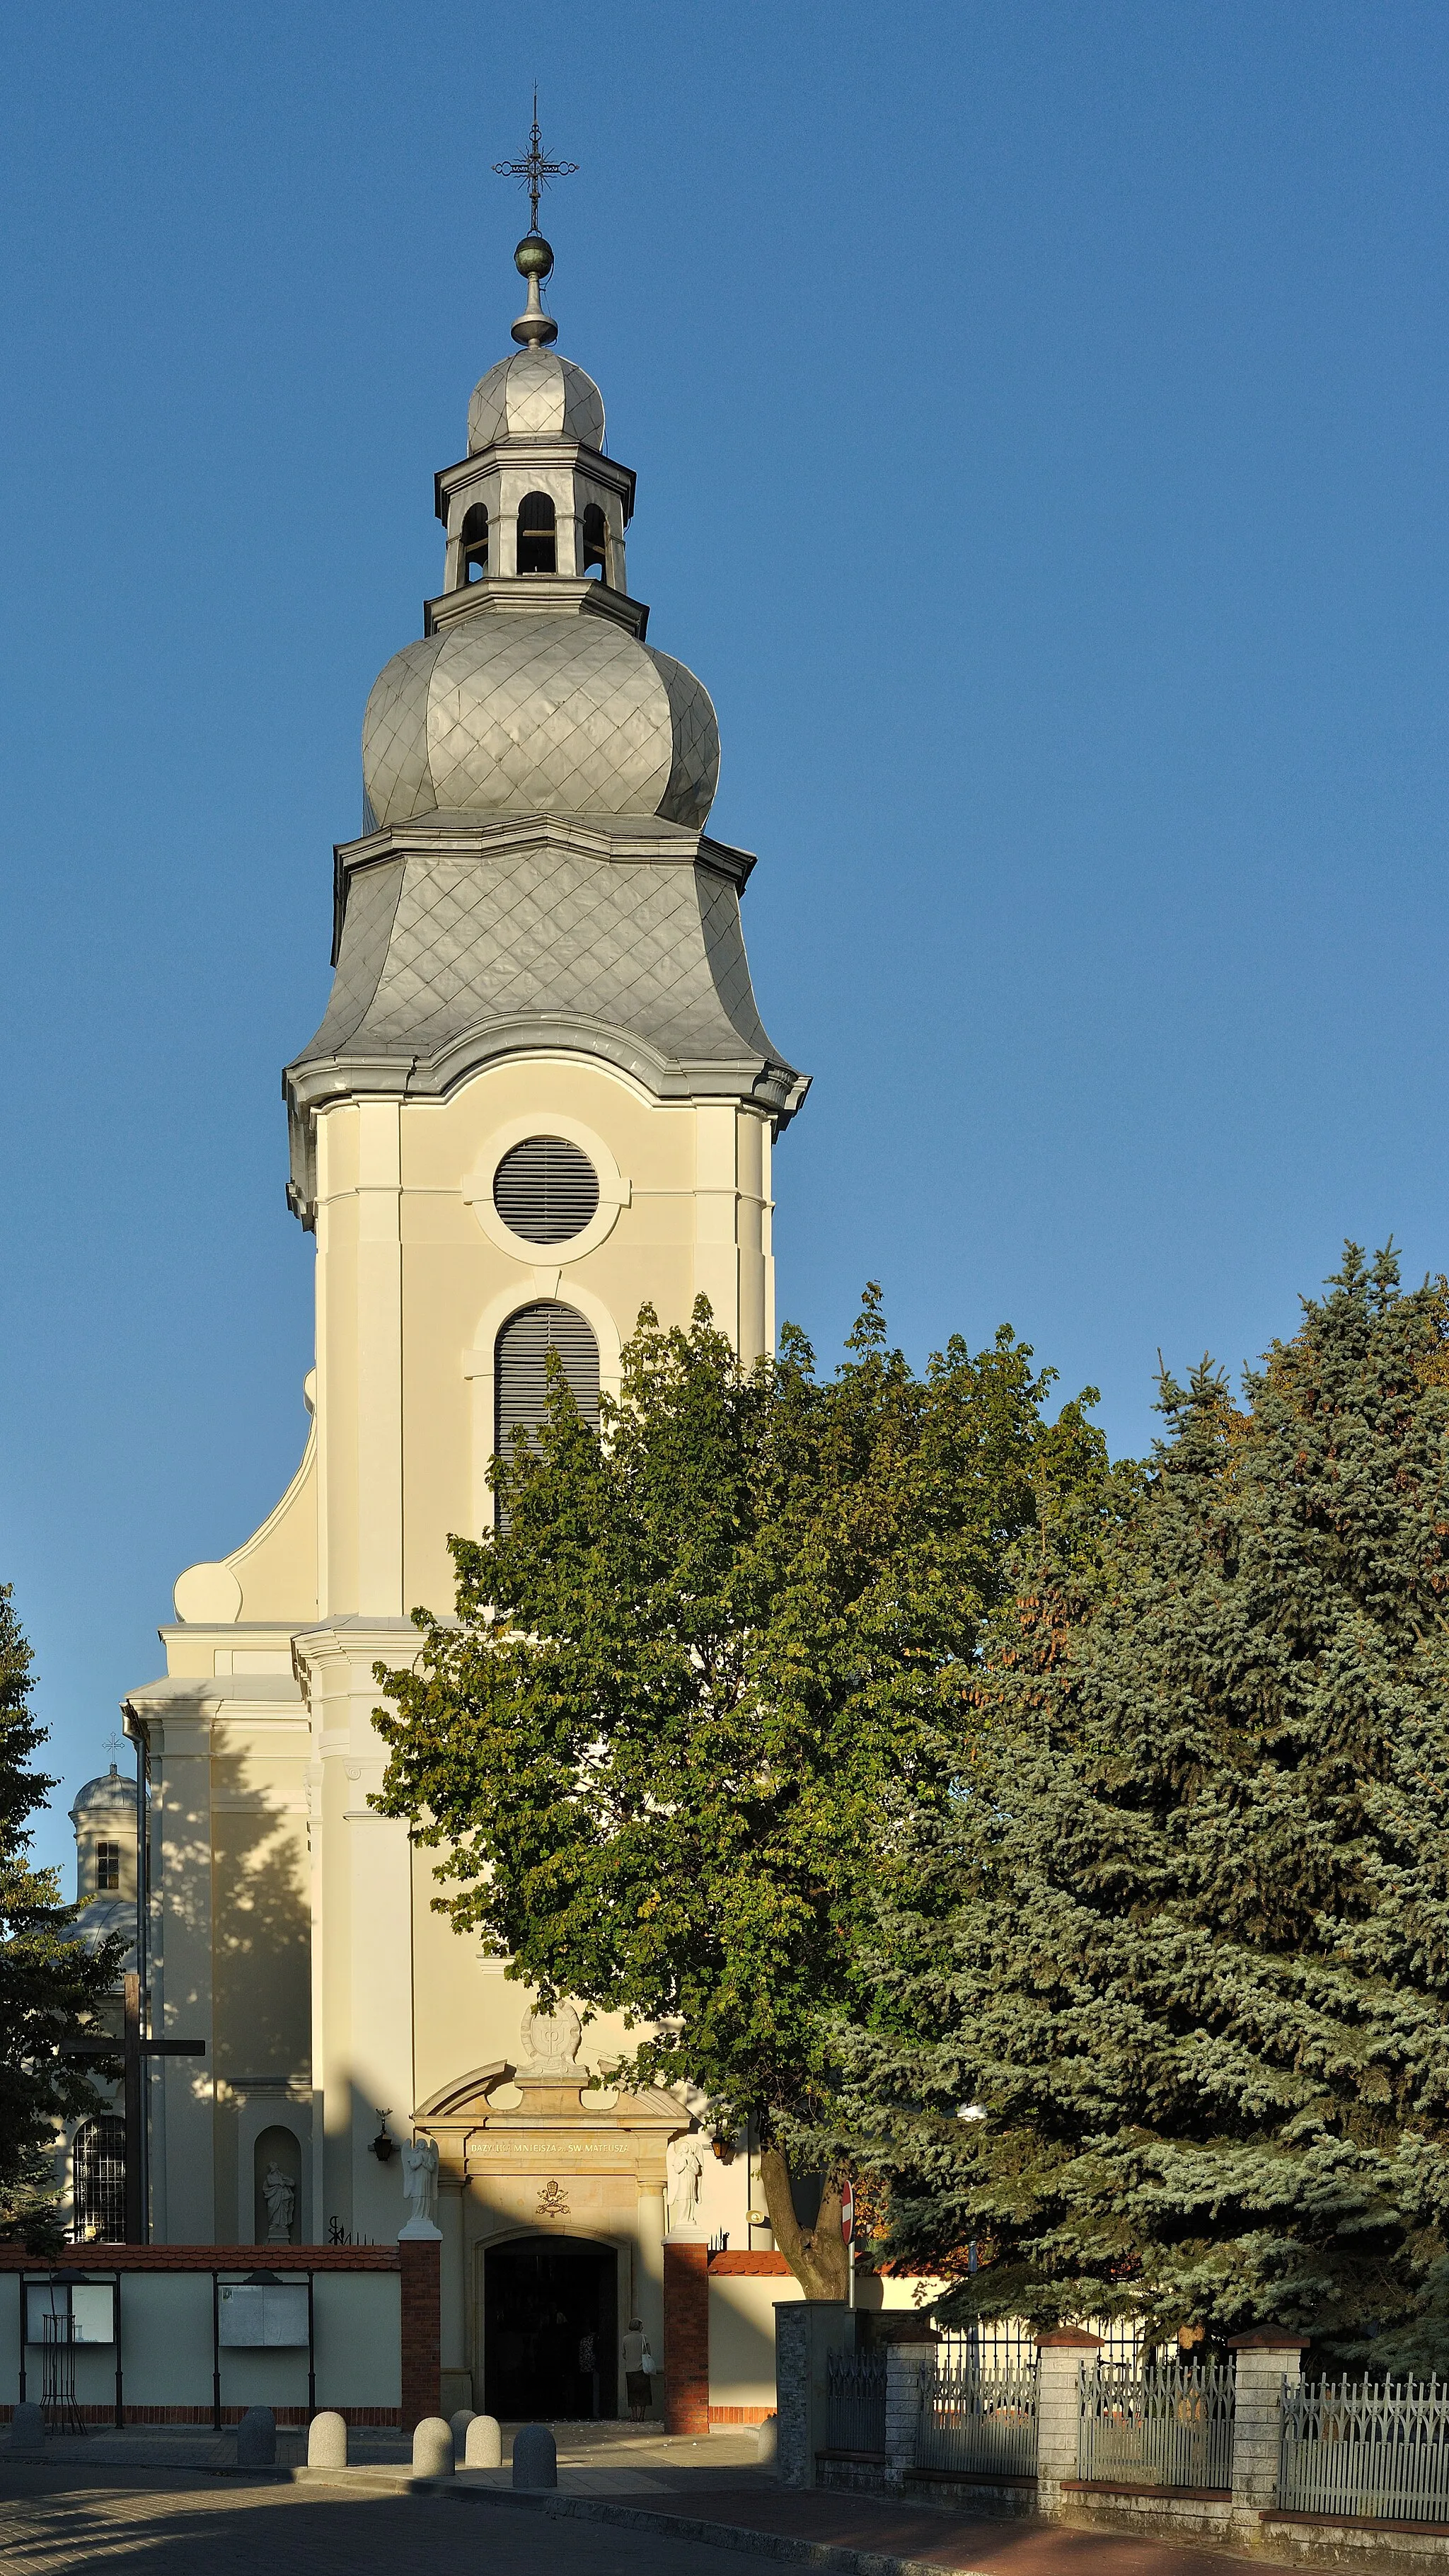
(710, 1644)
(1183, 1933)
(49, 1985)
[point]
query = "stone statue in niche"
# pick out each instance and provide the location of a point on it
(550, 2041)
(684, 2207)
(420, 2184)
(280, 2194)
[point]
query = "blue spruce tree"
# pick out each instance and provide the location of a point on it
(1179, 1940)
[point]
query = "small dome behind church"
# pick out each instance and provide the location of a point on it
(103, 1813)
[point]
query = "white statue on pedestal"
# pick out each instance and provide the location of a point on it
(420, 2183)
(280, 2194)
(689, 2173)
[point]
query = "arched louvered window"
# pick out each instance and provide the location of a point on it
(520, 1372)
(595, 534)
(546, 1190)
(98, 2167)
(473, 544)
(537, 540)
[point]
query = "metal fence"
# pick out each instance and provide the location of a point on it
(975, 2419)
(855, 2401)
(1169, 2426)
(1009, 2344)
(1366, 2446)
(998, 2346)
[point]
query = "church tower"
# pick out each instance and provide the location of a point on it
(540, 1095)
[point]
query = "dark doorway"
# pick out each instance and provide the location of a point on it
(545, 2300)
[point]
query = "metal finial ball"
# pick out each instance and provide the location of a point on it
(533, 257)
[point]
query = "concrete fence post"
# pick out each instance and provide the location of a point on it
(907, 2365)
(807, 2332)
(1265, 2361)
(1059, 2358)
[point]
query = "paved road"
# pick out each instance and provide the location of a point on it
(200, 2527)
(57, 2522)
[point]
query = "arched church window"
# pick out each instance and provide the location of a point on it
(108, 1866)
(537, 540)
(596, 540)
(520, 1369)
(546, 1190)
(98, 2193)
(473, 544)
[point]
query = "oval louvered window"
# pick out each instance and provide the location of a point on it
(546, 1190)
(520, 1371)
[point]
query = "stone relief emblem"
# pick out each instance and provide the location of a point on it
(552, 2201)
(550, 2041)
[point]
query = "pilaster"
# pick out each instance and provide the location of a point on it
(379, 1388)
(716, 1252)
(365, 2045)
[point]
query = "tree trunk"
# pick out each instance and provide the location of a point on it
(815, 2255)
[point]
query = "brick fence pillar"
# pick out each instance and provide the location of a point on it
(422, 2336)
(1059, 2358)
(1263, 2361)
(686, 2336)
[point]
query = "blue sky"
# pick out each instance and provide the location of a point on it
(1039, 413)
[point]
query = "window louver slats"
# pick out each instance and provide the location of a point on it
(520, 1376)
(546, 1190)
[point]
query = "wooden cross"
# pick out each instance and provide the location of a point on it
(131, 2050)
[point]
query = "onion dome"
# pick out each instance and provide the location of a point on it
(543, 714)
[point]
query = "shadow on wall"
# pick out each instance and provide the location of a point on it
(261, 1947)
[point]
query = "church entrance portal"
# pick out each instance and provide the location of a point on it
(550, 2331)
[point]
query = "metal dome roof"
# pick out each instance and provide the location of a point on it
(538, 714)
(535, 394)
(107, 1790)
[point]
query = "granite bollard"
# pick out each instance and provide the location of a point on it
(27, 2430)
(433, 2448)
(535, 2457)
(460, 2420)
(483, 2448)
(767, 2442)
(327, 2442)
(256, 2439)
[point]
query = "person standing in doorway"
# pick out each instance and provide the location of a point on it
(638, 2368)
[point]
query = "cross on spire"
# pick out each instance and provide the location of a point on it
(534, 171)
